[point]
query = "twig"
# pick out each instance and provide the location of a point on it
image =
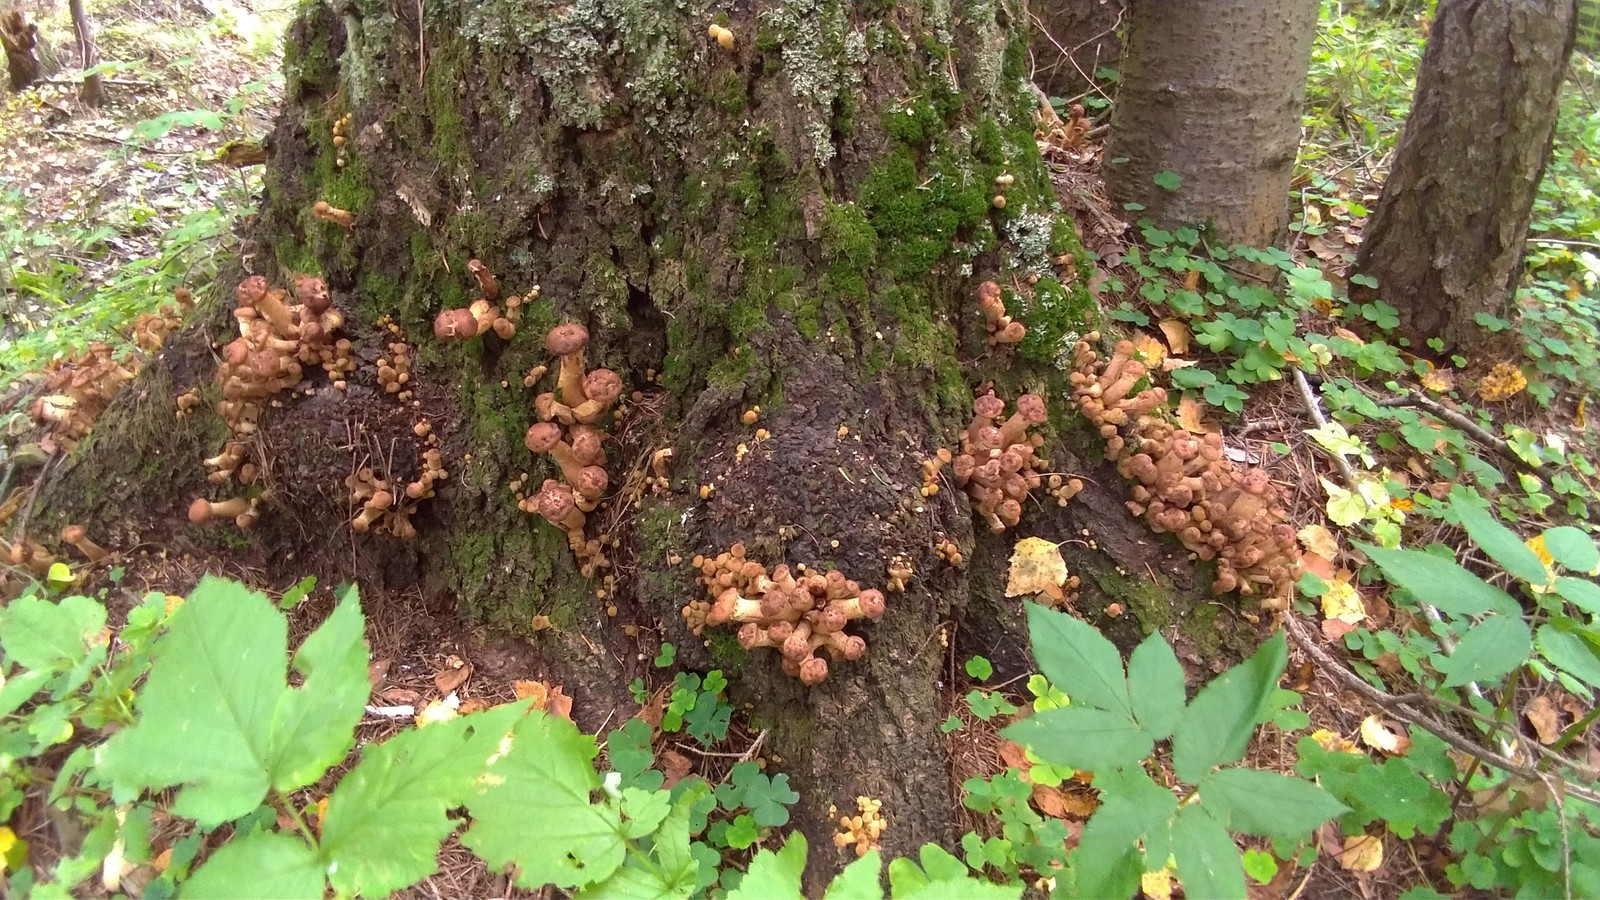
(1314, 409)
(1453, 417)
(1388, 702)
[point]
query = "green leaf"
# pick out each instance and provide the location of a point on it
(1439, 582)
(1156, 686)
(774, 876)
(1107, 860)
(643, 811)
(942, 877)
(1572, 548)
(742, 832)
(1570, 653)
(217, 717)
(1495, 539)
(1093, 740)
(1208, 861)
(1266, 803)
(50, 637)
(1488, 651)
(979, 668)
(546, 777)
(1585, 595)
(1078, 659)
(262, 864)
(1261, 866)
(859, 881)
(1217, 725)
(1167, 180)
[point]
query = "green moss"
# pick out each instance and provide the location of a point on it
(725, 91)
(1150, 602)
(987, 145)
(916, 124)
(726, 654)
(1056, 317)
(917, 214)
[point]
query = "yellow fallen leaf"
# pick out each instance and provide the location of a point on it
(13, 852)
(1333, 742)
(1149, 349)
(1536, 544)
(1191, 416)
(1319, 540)
(1036, 568)
(1581, 417)
(1177, 334)
(1362, 853)
(1503, 382)
(1545, 720)
(1157, 885)
(1439, 381)
(1378, 736)
(1342, 602)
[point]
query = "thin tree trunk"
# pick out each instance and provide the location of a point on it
(1446, 241)
(94, 89)
(796, 222)
(1211, 92)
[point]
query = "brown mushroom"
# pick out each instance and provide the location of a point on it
(568, 342)
(203, 510)
(77, 537)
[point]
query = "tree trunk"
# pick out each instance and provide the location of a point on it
(1212, 92)
(20, 39)
(797, 222)
(93, 92)
(1446, 241)
(1073, 39)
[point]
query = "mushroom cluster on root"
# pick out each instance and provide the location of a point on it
(281, 336)
(76, 391)
(485, 314)
(150, 330)
(798, 614)
(1001, 327)
(394, 370)
(864, 829)
(947, 550)
(1184, 483)
(557, 504)
(997, 465)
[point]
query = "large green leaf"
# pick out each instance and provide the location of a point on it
(42, 636)
(1585, 595)
(534, 810)
(673, 870)
(861, 880)
(1156, 686)
(1439, 582)
(942, 877)
(217, 716)
(1208, 861)
(1107, 861)
(1092, 740)
(261, 864)
(388, 816)
(1266, 803)
(1572, 548)
(774, 875)
(1501, 543)
(1219, 722)
(1078, 659)
(1488, 651)
(1570, 653)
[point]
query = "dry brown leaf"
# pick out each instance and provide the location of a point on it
(472, 705)
(378, 673)
(1191, 416)
(675, 766)
(451, 678)
(1319, 540)
(1415, 467)
(1573, 706)
(1012, 754)
(1150, 350)
(1361, 853)
(550, 699)
(1318, 565)
(1049, 801)
(559, 704)
(1080, 802)
(1036, 568)
(1439, 381)
(398, 696)
(1375, 733)
(1177, 335)
(651, 712)
(1545, 720)
(1333, 630)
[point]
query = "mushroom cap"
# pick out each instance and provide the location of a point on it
(72, 534)
(455, 324)
(543, 437)
(568, 338)
(750, 635)
(555, 501)
(602, 385)
(873, 603)
(250, 290)
(587, 444)
(381, 500)
(989, 406)
(199, 510)
(988, 292)
(592, 482)
(1032, 408)
(813, 671)
(313, 292)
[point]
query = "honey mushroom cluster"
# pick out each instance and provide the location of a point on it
(798, 615)
(1001, 327)
(76, 391)
(394, 370)
(484, 314)
(278, 340)
(383, 509)
(1184, 484)
(997, 465)
(569, 431)
(341, 140)
(150, 330)
(31, 556)
(863, 829)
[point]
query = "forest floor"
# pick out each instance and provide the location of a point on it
(104, 213)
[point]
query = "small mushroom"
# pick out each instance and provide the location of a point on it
(76, 536)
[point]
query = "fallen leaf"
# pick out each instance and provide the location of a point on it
(1150, 350)
(1341, 601)
(1573, 706)
(1177, 335)
(559, 704)
(1545, 720)
(1157, 885)
(1333, 630)
(451, 678)
(1361, 853)
(544, 696)
(1049, 801)
(1319, 540)
(378, 672)
(1012, 754)
(1037, 568)
(1439, 381)
(651, 712)
(1377, 735)
(472, 705)
(398, 696)
(1503, 382)
(675, 766)
(1415, 467)
(1318, 565)
(1191, 416)
(523, 689)
(437, 711)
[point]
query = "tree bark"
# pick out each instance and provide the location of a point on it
(1446, 241)
(93, 92)
(796, 223)
(1212, 91)
(20, 39)
(1073, 39)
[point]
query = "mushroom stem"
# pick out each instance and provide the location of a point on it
(74, 535)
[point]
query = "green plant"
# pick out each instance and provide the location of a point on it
(697, 707)
(1111, 728)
